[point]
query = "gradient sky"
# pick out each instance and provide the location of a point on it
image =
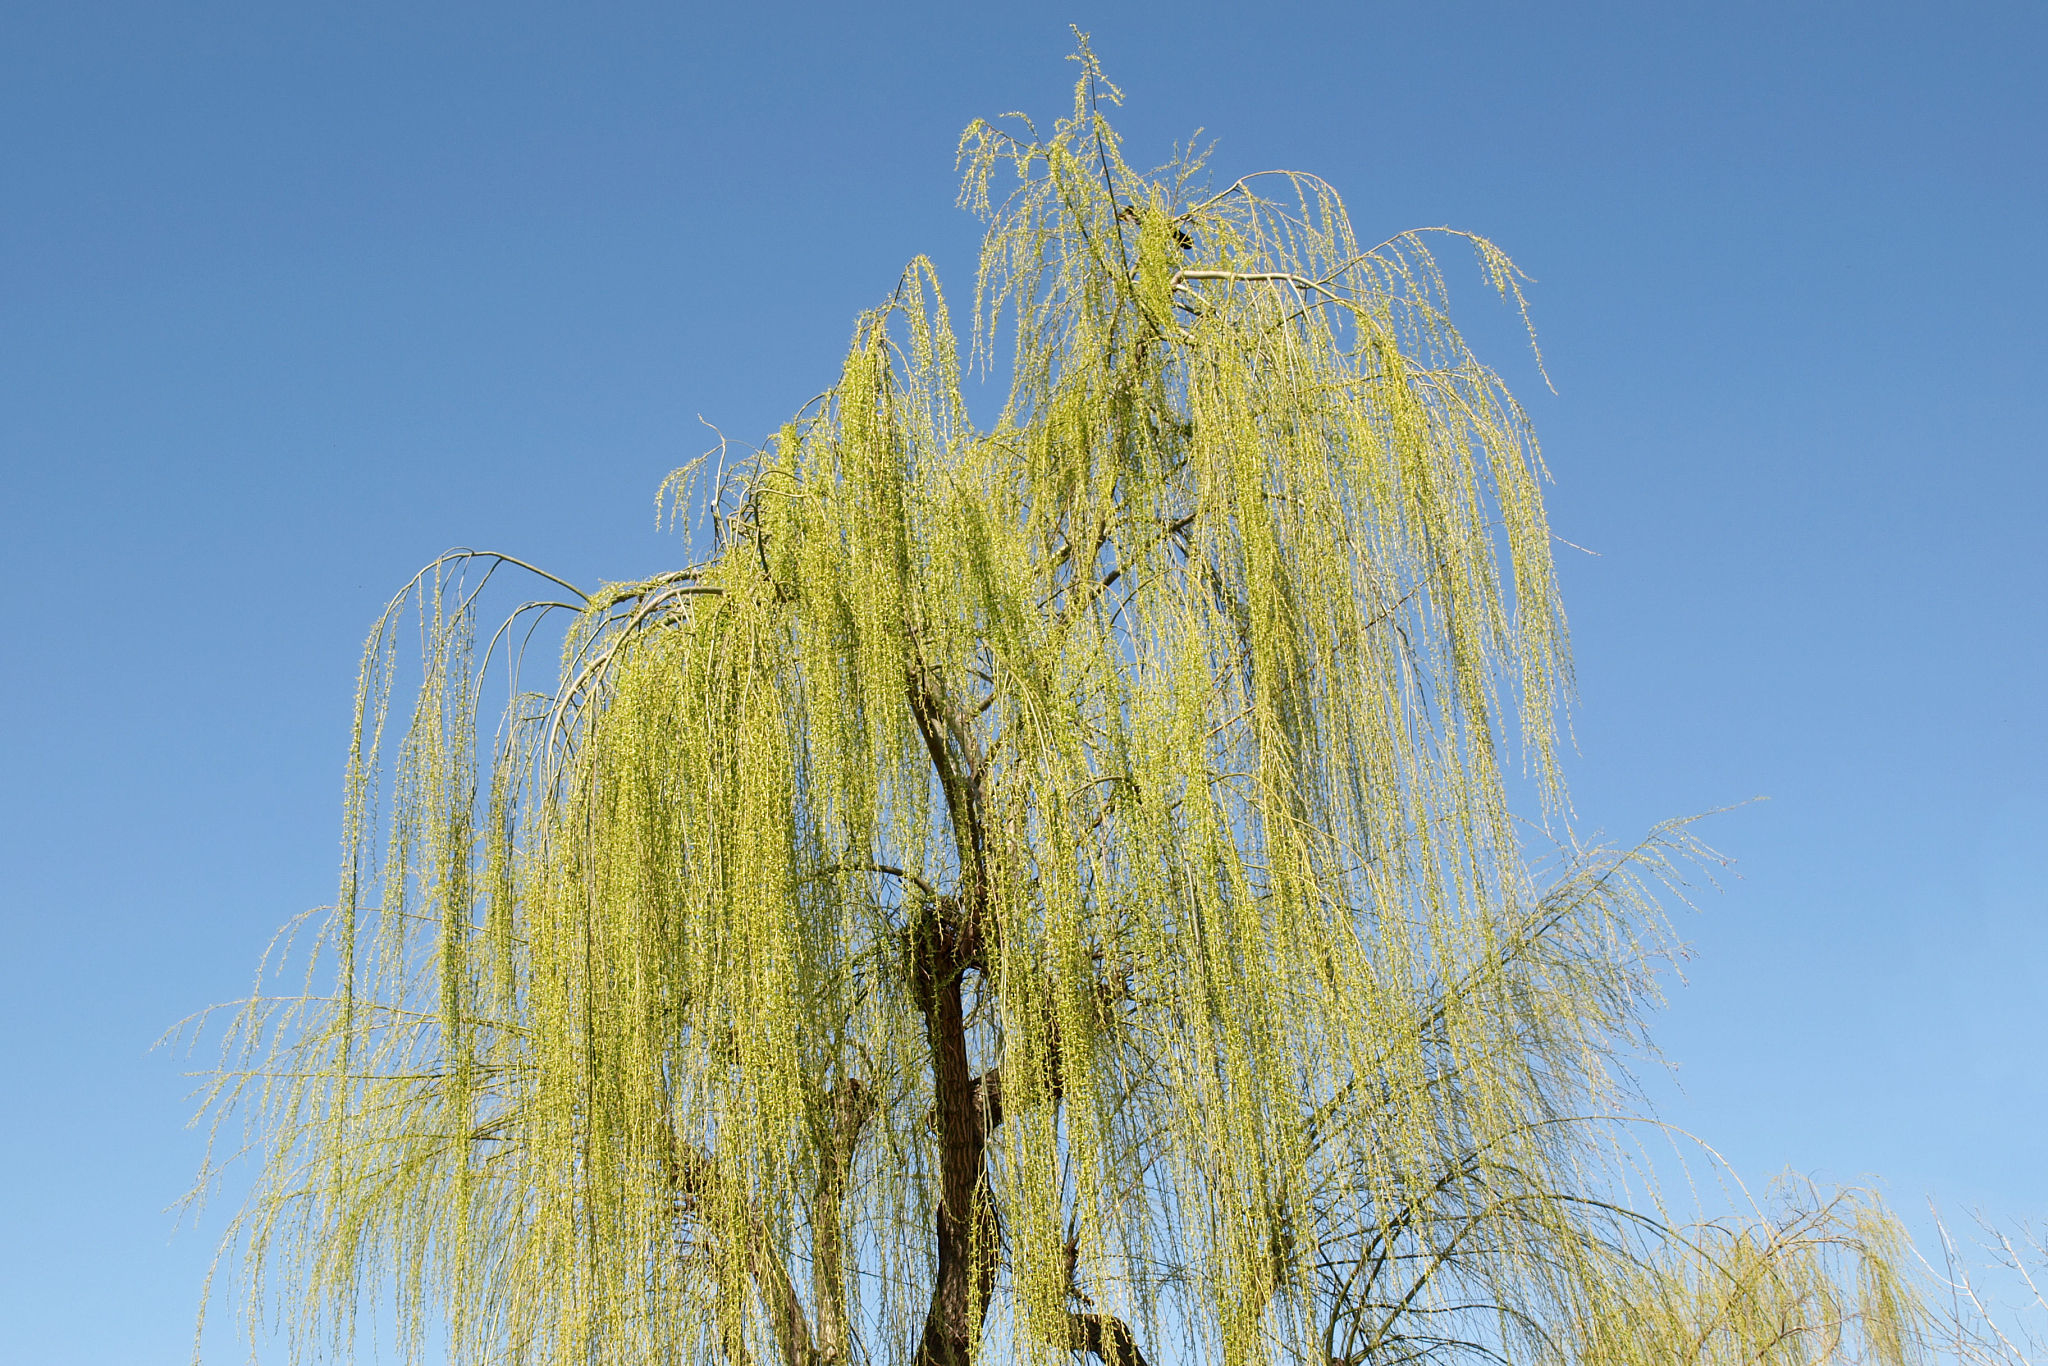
(292, 297)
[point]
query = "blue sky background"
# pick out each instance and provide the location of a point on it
(294, 297)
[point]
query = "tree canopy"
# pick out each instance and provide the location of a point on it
(1034, 889)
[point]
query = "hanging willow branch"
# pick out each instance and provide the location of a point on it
(1039, 890)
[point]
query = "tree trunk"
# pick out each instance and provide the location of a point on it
(966, 1225)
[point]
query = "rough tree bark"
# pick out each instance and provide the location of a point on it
(947, 941)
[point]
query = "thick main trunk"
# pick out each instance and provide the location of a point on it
(946, 939)
(965, 1222)
(945, 942)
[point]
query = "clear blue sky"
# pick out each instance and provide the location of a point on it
(293, 297)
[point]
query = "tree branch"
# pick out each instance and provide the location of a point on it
(1104, 1336)
(956, 759)
(694, 1176)
(849, 1106)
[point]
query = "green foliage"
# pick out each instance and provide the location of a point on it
(1033, 890)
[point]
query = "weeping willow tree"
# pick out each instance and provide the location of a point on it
(1033, 890)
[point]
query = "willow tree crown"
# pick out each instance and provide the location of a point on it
(1033, 890)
